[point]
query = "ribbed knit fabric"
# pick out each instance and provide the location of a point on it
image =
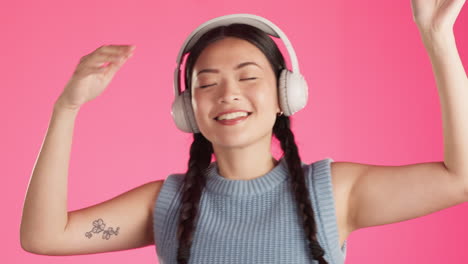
(250, 221)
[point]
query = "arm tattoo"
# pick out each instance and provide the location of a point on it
(99, 227)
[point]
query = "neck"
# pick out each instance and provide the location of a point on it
(245, 163)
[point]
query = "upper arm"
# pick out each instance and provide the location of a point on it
(130, 212)
(379, 195)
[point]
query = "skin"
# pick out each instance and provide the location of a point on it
(243, 151)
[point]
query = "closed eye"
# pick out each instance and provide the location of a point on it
(208, 85)
(203, 86)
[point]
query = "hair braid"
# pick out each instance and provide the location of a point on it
(284, 134)
(201, 151)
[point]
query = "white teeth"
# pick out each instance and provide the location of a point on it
(232, 115)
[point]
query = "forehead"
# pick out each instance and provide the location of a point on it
(228, 52)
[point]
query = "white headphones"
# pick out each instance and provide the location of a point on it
(292, 87)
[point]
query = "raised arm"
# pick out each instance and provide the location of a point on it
(435, 20)
(46, 225)
(373, 195)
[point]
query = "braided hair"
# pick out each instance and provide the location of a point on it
(201, 150)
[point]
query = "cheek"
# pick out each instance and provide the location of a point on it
(200, 104)
(266, 98)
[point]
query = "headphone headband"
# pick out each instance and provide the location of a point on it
(249, 19)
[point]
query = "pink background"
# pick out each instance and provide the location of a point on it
(372, 100)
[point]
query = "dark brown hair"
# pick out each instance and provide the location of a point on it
(201, 150)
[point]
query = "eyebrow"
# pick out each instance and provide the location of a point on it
(243, 64)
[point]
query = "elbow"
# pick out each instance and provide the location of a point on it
(35, 247)
(28, 247)
(465, 188)
(24, 242)
(462, 181)
(36, 242)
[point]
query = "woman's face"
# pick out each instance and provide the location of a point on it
(234, 75)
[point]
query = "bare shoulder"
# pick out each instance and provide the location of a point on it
(343, 176)
(154, 188)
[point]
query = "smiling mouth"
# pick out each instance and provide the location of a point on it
(233, 121)
(248, 114)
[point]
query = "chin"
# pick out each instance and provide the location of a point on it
(238, 140)
(233, 144)
(230, 141)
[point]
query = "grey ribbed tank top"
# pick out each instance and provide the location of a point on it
(250, 221)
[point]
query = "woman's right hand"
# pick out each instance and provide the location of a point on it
(92, 76)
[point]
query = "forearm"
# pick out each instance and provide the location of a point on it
(45, 207)
(452, 85)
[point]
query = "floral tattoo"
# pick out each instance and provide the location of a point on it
(99, 227)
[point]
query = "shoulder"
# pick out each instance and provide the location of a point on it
(153, 188)
(341, 177)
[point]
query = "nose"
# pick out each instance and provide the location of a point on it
(228, 91)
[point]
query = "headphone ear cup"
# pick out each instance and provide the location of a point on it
(182, 113)
(292, 92)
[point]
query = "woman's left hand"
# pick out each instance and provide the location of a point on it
(436, 15)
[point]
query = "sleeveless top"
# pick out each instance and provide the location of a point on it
(250, 221)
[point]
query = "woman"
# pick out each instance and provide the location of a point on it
(359, 190)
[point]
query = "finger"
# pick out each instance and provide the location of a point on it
(100, 58)
(109, 49)
(115, 66)
(108, 70)
(112, 68)
(116, 48)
